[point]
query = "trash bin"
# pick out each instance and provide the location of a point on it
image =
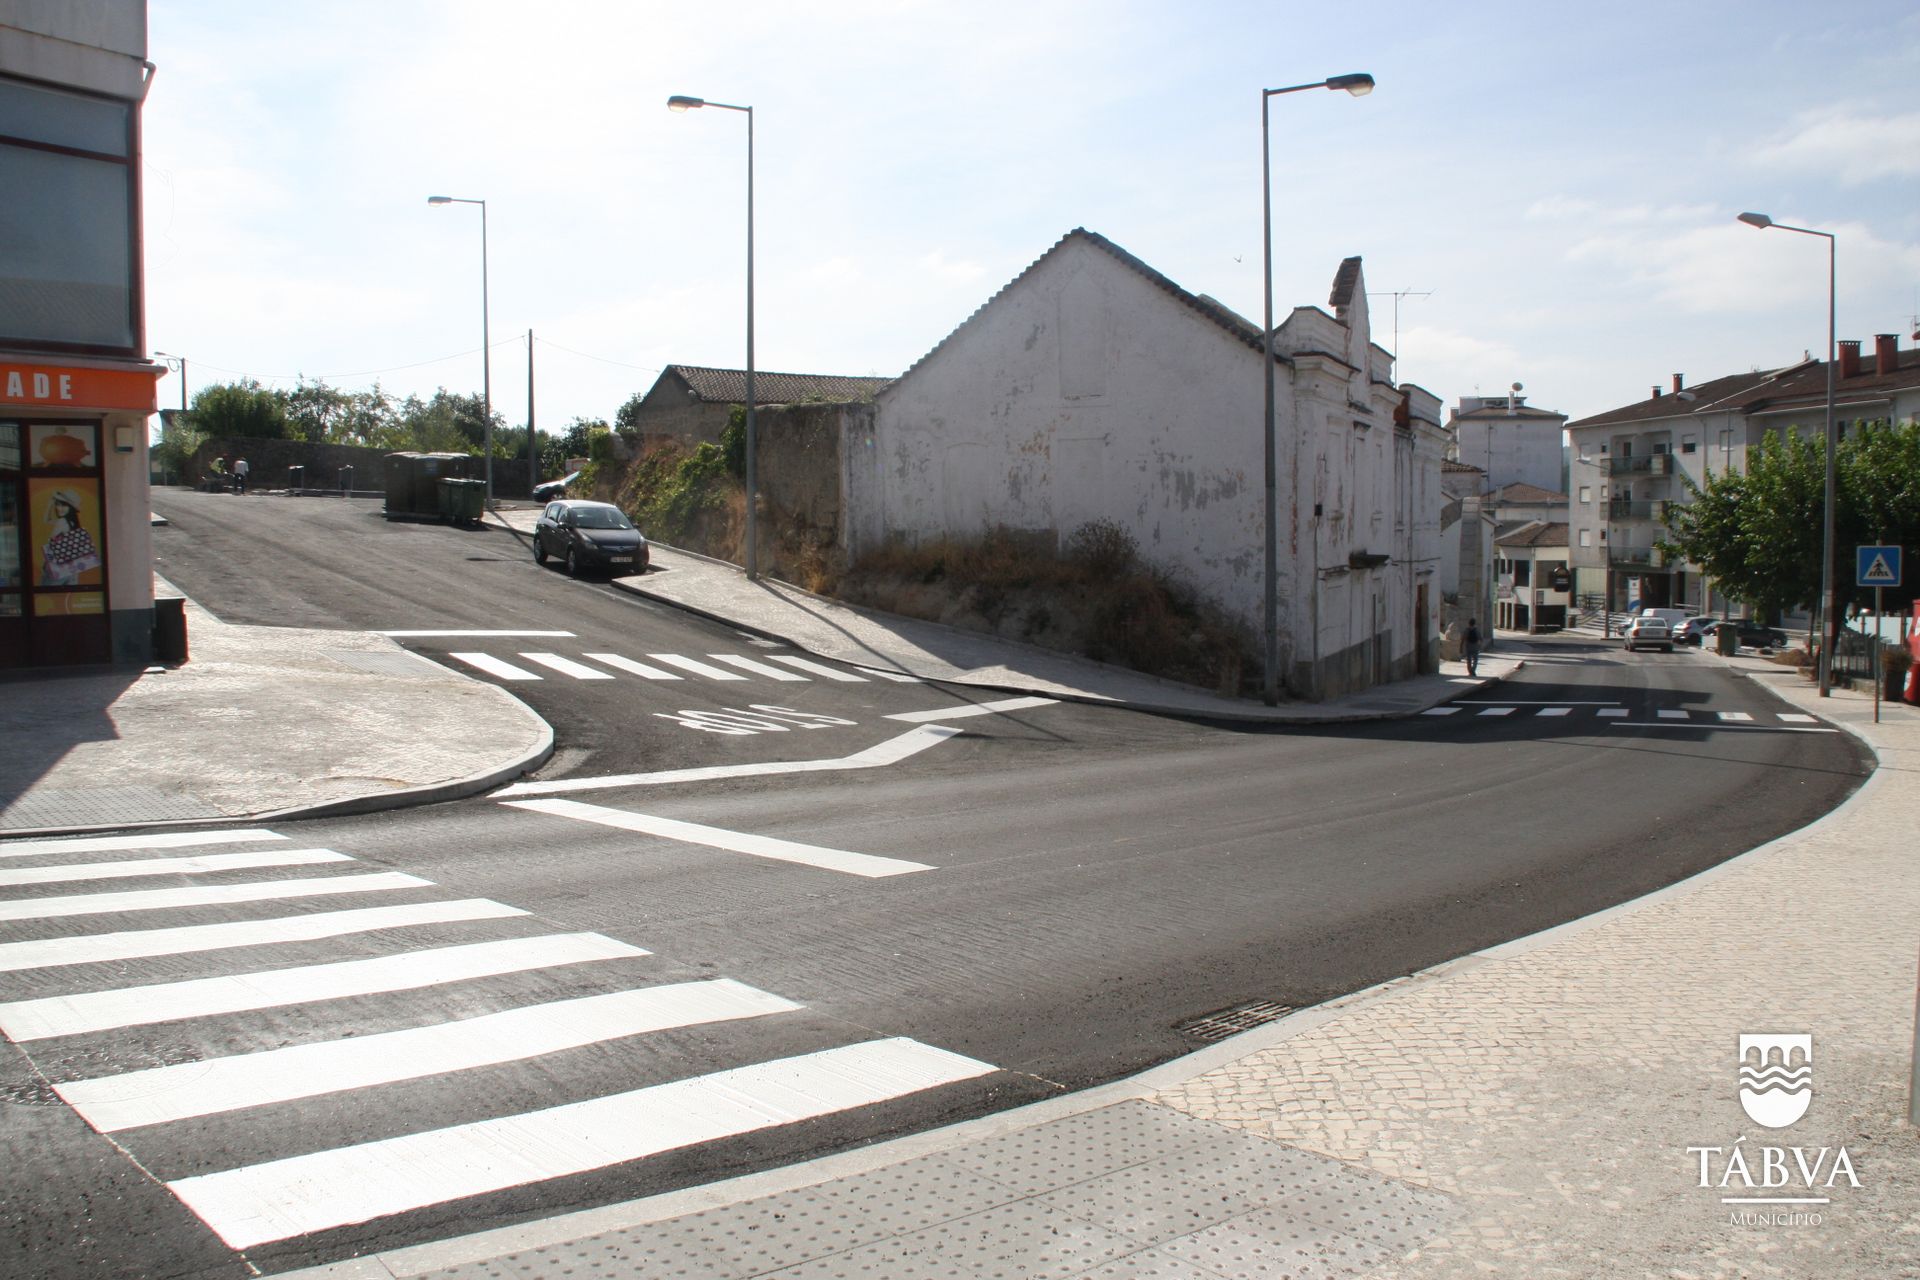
(170, 630)
(1727, 640)
(462, 501)
(296, 479)
(346, 480)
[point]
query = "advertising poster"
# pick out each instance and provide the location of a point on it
(62, 444)
(65, 540)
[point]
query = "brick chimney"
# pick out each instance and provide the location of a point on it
(1656, 392)
(1886, 353)
(1678, 384)
(1849, 358)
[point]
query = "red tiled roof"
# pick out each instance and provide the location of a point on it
(1796, 386)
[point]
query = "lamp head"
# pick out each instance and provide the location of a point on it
(1760, 220)
(439, 199)
(681, 102)
(1359, 84)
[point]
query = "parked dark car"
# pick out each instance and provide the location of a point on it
(1753, 635)
(589, 536)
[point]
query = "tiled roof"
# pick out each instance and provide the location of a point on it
(729, 386)
(1524, 411)
(1803, 385)
(1448, 464)
(1534, 534)
(1531, 495)
(1240, 329)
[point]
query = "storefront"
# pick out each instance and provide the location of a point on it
(75, 542)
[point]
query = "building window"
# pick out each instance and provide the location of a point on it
(66, 225)
(1586, 537)
(1523, 573)
(1603, 535)
(1686, 444)
(1586, 493)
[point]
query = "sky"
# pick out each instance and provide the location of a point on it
(1551, 188)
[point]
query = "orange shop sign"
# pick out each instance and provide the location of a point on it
(66, 387)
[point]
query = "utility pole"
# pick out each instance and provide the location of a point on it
(533, 439)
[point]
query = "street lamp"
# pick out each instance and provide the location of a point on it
(1359, 85)
(682, 103)
(1827, 633)
(486, 341)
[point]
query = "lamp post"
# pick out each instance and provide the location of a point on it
(682, 103)
(486, 340)
(179, 363)
(1763, 222)
(1359, 84)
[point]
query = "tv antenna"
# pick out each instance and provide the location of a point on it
(1396, 295)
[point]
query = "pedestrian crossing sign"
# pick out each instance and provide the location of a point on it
(1877, 567)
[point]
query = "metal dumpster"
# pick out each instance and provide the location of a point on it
(462, 501)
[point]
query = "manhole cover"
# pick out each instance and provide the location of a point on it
(1227, 1022)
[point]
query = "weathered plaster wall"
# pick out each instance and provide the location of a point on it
(1084, 392)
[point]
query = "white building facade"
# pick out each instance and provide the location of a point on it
(1094, 388)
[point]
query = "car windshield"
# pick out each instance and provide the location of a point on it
(600, 518)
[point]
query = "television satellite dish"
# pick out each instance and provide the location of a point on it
(1518, 387)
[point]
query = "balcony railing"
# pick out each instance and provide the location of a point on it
(1623, 509)
(1658, 464)
(1637, 559)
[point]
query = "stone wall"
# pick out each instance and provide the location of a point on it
(268, 460)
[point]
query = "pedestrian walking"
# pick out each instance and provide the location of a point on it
(240, 472)
(1471, 646)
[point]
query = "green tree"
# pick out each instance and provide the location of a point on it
(626, 420)
(572, 442)
(1759, 534)
(245, 408)
(321, 414)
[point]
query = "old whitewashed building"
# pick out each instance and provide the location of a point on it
(1092, 387)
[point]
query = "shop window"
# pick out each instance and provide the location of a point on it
(66, 226)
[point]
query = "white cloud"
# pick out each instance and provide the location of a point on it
(1852, 147)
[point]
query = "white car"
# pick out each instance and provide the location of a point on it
(1649, 631)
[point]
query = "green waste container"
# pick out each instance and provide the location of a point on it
(1728, 638)
(462, 501)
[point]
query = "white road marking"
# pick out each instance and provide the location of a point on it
(566, 666)
(1498, 711)
(1795, 717)
(756, 668)
(1676, 715)
(93, 904)
(283, 1198)
(154, 840)
(632, 668)
(49, 1016)
(1735, 716)
(93, 948)
(494, 666)
(165, 1094)
(1522, 702)
(198, 864)
(818, 668)
(1723, 728)
(857, 864)
(975, 709)
(892, 751)
(697, 667)
(1613, 712)
(1555, 711)
(1440, 711)
(423, 634)
(898, 677)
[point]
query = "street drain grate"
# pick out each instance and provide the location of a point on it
(1227, 1022)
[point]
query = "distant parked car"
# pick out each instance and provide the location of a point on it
(587, 536)
(554, 488)
(1694, 630)
(1753, 635)
(1649, 631)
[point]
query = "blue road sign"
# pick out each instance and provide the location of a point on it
(1877, 567)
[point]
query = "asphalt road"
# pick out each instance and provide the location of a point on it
(1085, 883)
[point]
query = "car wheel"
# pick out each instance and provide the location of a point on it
(539, 549)
(573, 564)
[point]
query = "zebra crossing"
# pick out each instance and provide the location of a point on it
(727, 668)
(90, 982)
(1626, 717)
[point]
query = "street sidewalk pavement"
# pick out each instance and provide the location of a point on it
(1549, 1107)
